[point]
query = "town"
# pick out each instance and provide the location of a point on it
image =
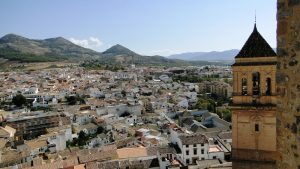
(147, 117)
(150, 84)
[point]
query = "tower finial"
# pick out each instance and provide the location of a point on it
(255, 18)
(255, 29)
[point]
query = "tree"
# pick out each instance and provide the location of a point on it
(224, 113)
(82, 138)
(148, 106)
(123, 92)
(19, 100)
(172, 100)
(227, 117)
(100, 130)
(125, 114)
(82, 135)
(160, 91)
(72, 100)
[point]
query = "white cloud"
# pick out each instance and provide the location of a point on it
(91, 42)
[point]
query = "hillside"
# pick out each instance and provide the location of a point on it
(208, 56)
(122, 55)
(17, 48)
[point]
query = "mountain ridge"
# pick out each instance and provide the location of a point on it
(18, 48)
(208, 56)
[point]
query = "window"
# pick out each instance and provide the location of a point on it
(187, 152)
(195, 145)
(195, 151)
(202, 144)
(268, 86)
(244, 86)
(256, 83)
(202, 151)
(214, 157)
(195, 160)
(187, 146)
(256, 127)
(187, 161)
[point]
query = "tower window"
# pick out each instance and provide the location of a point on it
(256, 127)
(244, 86)
(256, 83)
(268, 86)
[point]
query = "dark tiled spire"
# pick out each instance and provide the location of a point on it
(256, 46)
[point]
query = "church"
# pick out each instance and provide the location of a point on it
(254, 104)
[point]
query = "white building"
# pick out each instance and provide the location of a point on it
(120, 109)
(195, 147)
(100, 140)
(83, 117)
(57, 142)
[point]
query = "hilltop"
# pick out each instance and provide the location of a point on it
(17, 48)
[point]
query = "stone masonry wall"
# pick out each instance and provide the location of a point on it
(288, 82)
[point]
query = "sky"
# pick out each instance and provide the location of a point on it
(148, 27)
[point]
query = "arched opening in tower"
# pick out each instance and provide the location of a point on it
(256, 83)
(268, 86)
(244, 86)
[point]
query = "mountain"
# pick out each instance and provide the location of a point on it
(208, 56)
(123, 55)
(119, 50)
(18, 48)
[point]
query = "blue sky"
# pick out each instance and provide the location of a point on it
(148, 27)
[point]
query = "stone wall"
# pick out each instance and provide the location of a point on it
(288, 82)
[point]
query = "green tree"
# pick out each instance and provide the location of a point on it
(123, 92)
(100, 130)
(82, 138)
(72, 100)
(227, 117)
(224, 113)
(148, 106)
(19, 100)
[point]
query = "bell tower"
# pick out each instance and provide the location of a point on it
(254, 104)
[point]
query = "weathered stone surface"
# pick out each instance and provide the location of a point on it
(288, 140)
(297, 46)
(281, 52)
(285, 14)
(293, 2)
(282, 27)
(297, 120)
(280, 77)
(298, 87)
(294, 128)
(280, 5)
(293, 62)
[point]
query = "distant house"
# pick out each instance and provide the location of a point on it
(36, 147)
(89, 128)
(194, 147)
(226, 136)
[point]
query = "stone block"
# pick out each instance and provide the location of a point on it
(293, 2)
(282, 27)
